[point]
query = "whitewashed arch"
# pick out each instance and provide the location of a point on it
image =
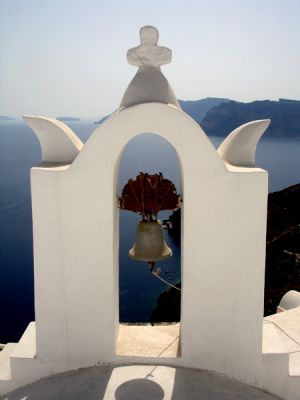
(104, 150)
(75, 213)
(75, 229)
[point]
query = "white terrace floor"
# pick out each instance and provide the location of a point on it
(138, 382)
(148, 341)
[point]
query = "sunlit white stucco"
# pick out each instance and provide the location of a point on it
(75, 222)
(149, 83)
(58, 142)
(239, 147)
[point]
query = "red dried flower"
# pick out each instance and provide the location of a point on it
(149, 194)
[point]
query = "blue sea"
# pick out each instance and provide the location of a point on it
(139, 290)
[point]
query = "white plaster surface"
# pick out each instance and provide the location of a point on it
(75, 226)
(282, 335)
(277, 340)
(272, 342)
(58, 142)
(5, 373)
(290, 300)
(239, 147)
(149, 84)
(288, 322)
(148, 341)
(75, 223)
(294, 369)
(26, 347)
(148, 52)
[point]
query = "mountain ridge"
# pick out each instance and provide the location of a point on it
(219, 116)
(197, 109)
(284, 114)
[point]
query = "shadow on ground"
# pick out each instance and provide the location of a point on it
(138, 382)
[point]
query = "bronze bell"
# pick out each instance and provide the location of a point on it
(150, 244)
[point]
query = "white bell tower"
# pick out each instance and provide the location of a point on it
(75, 229)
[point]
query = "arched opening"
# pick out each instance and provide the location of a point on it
(149, 305)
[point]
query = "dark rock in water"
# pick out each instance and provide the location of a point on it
(282, 255)
(197, 109)
(283, 246)
(5, 118)
(174, 227)
(68, 119)
(168, 306)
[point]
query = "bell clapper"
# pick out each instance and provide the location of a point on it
(151, 265)
(153, 269)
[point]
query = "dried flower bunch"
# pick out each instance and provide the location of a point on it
(149, 194)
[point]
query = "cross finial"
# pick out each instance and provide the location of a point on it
(149, 84)
(148, 53)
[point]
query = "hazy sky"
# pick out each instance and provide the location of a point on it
(68, 57)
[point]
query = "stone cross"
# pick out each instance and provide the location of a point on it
(148, 53)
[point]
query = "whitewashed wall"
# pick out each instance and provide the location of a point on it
(76, 249)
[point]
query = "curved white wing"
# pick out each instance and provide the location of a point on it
(239, 147)
(58, 142)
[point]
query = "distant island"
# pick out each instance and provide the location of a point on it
(5, 118)
(219, 116)
(68, 119)
(284, 114)
(197, 109)
(102, 119)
